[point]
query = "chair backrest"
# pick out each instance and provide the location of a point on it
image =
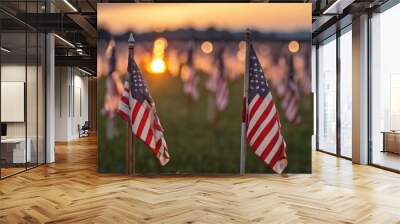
(86, 124)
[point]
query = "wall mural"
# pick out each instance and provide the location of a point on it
(204, 88)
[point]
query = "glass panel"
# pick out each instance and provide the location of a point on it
(31, 98)
(346, 94)
(327, 96)
(22, 89)
(13, 86)
(41, 99)
(31, 87)
(385, 84)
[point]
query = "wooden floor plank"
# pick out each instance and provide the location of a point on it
(71, 191)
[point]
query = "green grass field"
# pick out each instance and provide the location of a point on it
(196, 145)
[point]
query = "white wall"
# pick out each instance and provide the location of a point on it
(71, 94)
(61, 103)
(12, 73)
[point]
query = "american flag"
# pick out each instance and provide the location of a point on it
(137, 107)
(190, 84)
(262, 121)
(111, 98)
(291, 98)
(218, 82)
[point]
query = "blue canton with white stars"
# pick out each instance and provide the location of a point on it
(137, 85)
(257, 82)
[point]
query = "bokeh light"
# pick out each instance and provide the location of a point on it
(157, 51)
(294, 46)
(207, 47)
(161, 42)
(159, 46)
(242, 45)
(158, 65)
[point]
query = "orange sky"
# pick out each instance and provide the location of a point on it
(120, 17)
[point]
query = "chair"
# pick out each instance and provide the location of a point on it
(84, 130)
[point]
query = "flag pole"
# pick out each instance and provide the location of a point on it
(244, 115)
(131, 137)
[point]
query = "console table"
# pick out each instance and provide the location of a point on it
(391, 141)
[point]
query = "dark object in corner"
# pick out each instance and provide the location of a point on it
(84, 130)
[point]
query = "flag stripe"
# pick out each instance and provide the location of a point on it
(138, 119)
(262, 126)
(259, 117)
(125, 100)
(142, 123)
(264, 144)
(262, 135)
(136, 108)
(158, 147)
(146, 128)
(274, 149)
(251, 105)
(257, 104)
(149, 138)
(266, 151)
(278, 156)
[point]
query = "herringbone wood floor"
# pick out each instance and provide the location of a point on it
(71, 191)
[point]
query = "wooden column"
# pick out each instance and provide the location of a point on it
(360, 90)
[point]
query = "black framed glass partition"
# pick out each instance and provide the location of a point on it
(383, 88)
(384, 114)
(334, 93)
(15, 152)
(22, 77)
